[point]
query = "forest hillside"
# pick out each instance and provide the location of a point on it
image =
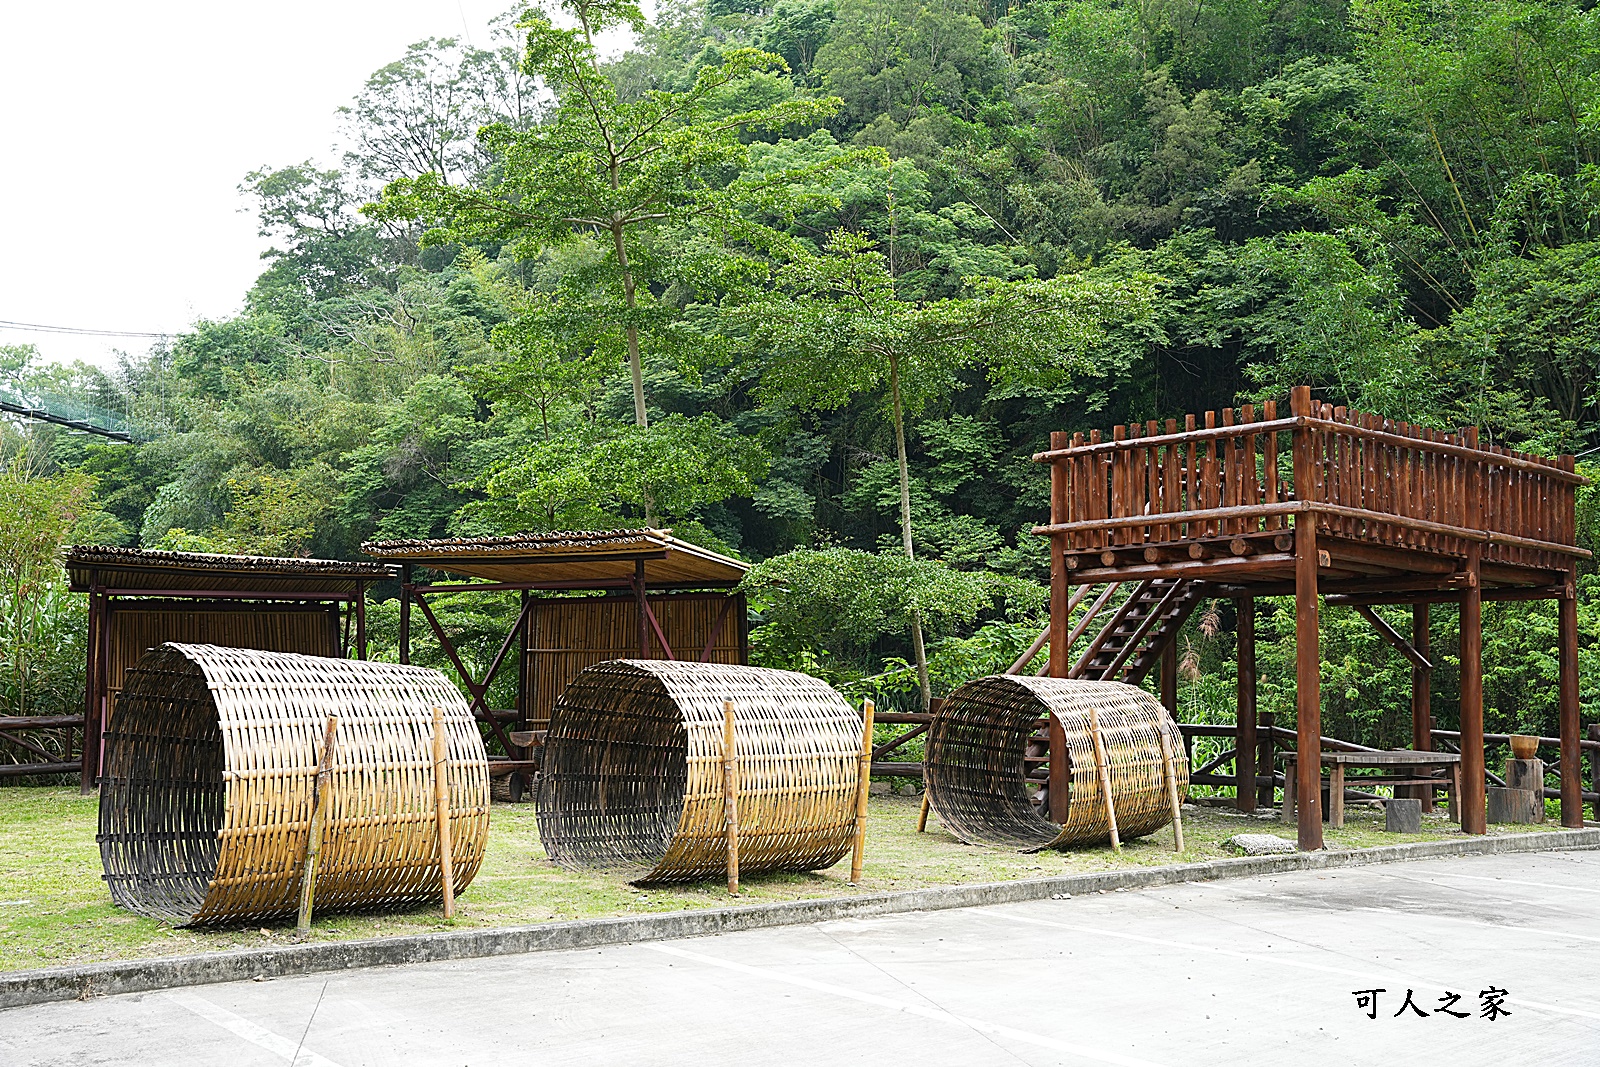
(810, 282)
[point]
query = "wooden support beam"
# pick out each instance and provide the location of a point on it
(1474, 815)
(1245, 712)
(1057, 789)
(1571, 763)
(1169, 678)
(1308, 667)
(1389, 634)
(1421, 691)
(1060, 602)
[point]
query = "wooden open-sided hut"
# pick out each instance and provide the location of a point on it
(141, 598)
(660, 598)
(1329, 506)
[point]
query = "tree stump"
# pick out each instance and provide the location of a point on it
(1525, 774)
(1515, 805)
(1403, 815)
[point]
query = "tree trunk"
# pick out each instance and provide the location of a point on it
(640, 418)
(917, 647)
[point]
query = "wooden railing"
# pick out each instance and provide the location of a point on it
(1366, 479)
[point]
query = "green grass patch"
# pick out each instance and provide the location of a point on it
(55, 910)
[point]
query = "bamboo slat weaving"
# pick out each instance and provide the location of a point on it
(567, 635)
(206, 799)
(976, 772)
(632, 776)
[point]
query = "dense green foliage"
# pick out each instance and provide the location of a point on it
(822, 275)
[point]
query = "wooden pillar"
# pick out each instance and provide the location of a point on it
(644, 609)
(1265, 762)
(360, 607)
(1308, 659)
(1474, 818)
(1571, 753)
(1245, 747)
(1060, 631)
(1421, 695)
(89, 770)
(405, 613)
(1169, 677)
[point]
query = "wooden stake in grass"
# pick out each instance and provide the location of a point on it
(1169, 774)
(1105, 777)
(863, 781)
(320, 788)
(730, 794)
(922, 816)
(441, 808)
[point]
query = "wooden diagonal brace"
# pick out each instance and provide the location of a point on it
(1389, 634)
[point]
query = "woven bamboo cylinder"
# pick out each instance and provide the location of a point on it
(632, 779)
(976, 776)
(211, 759)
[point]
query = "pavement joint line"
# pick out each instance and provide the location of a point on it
(82, 981)
(239, 1026)
(982, 1026)
(1269, 957)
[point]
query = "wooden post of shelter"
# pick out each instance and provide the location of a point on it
(1308, 665)
(1245, 717)
(405, 613)
(644, 609)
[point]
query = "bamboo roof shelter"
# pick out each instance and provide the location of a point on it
(140, 598)
(1325, 503)
(662, 598)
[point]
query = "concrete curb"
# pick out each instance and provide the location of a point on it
(134, 976)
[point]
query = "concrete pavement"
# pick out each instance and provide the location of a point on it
(1260, 970)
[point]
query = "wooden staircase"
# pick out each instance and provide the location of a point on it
(1130, 643)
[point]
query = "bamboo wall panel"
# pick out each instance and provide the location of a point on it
(975, 770)
(206, 797)
(632, 777)
(568, 635)
(140, 625)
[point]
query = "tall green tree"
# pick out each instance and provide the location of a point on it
(604, 168)
(833, 327)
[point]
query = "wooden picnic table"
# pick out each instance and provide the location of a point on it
(1431, 770)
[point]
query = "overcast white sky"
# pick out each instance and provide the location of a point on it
(125, 130)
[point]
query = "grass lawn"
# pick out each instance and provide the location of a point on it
(54, 908)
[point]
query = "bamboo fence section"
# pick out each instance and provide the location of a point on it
(633, 777)
(206, 804)
(976, 771)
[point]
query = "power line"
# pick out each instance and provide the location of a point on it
(77, 331)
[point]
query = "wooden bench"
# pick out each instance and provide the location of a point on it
(1431, 770)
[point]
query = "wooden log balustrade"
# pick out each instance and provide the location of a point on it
(1323, 504)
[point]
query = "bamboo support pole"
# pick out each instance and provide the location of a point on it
(441, 805)
(863, 781)
(922, 816)
(730, 794)
(1169, 775)
(1105, 777)
(319, 806)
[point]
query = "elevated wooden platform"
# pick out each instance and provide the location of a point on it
(1332, 503)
